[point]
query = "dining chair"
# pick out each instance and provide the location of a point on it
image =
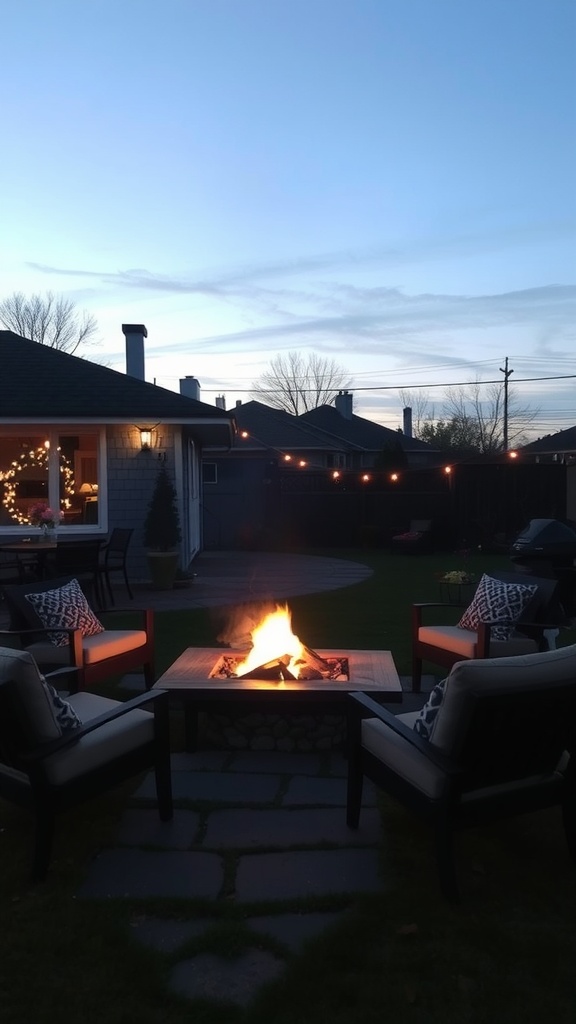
(112, 559)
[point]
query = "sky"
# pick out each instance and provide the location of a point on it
(389, 184)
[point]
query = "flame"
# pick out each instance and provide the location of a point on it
(273, 638)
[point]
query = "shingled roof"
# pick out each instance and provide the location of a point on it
(357, 431)
(553, 444)
(40, 383)
(273, 428)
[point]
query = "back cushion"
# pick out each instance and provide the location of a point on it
(65, 606)
(522, 672)
(31, 699)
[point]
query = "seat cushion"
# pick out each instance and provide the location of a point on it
(496, 601)
(409, 763)
(111, 643)
(132, 730)
(463, 642)
(65, 606)
(108, 644)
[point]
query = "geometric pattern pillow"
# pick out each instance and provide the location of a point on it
(496, 601)
(65, 607)
(424, 724)
(63, 711)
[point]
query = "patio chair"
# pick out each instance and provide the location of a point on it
(510, 617)
(497, 739)
(56, 753)
(53, 620)
(417, 539)
(112, 559)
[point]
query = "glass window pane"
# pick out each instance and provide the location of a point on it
(79, 478)
(23, 477)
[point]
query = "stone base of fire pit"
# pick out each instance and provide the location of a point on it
(286, 733)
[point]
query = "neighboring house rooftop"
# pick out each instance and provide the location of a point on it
(360, 432)
(273, 428)
(562, 442)
(40, 383)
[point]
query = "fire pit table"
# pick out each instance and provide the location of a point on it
(195, 679)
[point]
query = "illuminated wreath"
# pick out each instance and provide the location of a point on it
(35, 457)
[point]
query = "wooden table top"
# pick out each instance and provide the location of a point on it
(370, 671)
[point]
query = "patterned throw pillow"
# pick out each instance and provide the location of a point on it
(496, 601)
(426, 721)
(68, 607)
(63, 711)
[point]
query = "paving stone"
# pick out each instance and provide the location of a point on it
(229, 981)
(271, 827)
(199, 761)
(291, 875)
(304, 790)
(140, 874)
(144, 828)
(294, 930)
(222, 787)
(275, 761)
(166, 934)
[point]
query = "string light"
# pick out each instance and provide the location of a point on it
(33, 458)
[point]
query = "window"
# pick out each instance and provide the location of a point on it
(336, 460)
(209, 473)
(55, 468)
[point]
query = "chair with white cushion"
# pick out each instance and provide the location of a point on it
(509, 614)
(56, 753)
(496, 739)
(54, 621)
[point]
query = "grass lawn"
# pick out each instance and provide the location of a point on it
(505, 956)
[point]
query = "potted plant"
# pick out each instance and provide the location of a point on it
(162, 533)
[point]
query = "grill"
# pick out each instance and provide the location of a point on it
(547, 547)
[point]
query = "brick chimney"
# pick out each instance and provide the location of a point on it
(135, 334)
(343, 404)
(221, 402)
(407, 420)
(190, 387)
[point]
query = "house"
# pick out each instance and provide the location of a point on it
(559, 447)
(366, 442)
(270, 486)
(89, 441)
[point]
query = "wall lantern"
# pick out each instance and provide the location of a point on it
(145, 439)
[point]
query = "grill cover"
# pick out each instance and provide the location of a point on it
(546, 537)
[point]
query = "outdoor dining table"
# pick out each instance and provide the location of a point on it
(40, 549)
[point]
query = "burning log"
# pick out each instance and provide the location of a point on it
(276, 669)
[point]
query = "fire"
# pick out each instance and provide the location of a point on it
(273, 639)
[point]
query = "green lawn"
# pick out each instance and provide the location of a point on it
(506, 956)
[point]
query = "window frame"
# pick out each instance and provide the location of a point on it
(53, 433)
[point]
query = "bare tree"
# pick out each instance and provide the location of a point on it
(296, 384)
(48, 319)
(484, 405)
(471, 418)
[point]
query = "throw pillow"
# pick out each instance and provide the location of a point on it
(426, 721)
(65, 607)
(63, 711)
(496, 601)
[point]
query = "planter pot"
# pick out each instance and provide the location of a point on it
(163, 566)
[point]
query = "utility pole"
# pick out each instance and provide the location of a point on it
(507, 373)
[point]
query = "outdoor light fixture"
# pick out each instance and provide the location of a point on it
(145, 439)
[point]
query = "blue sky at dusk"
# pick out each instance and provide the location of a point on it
(387, 183)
